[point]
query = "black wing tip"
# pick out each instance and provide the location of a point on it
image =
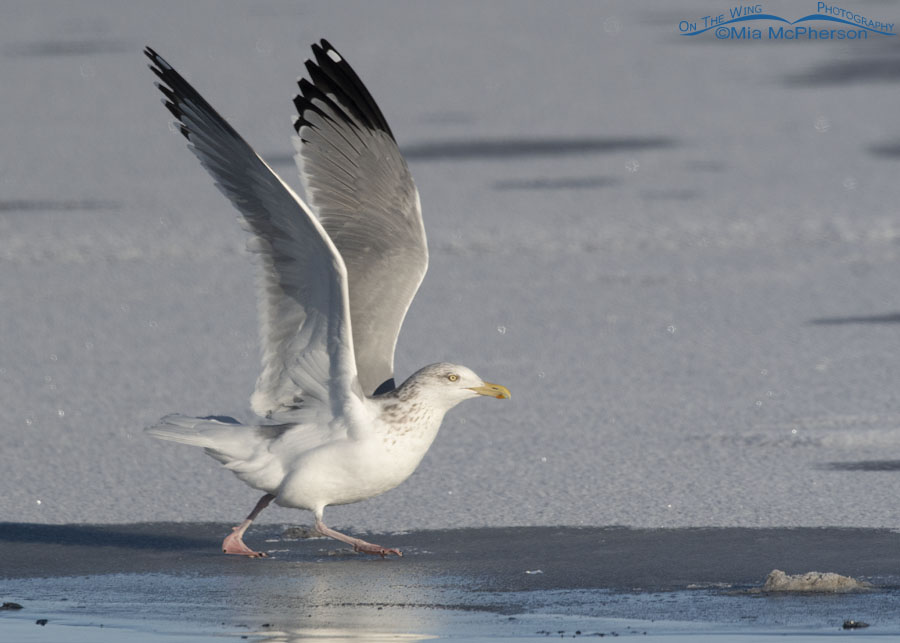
(332, 74)
(162, 65)
(169, 79)
(309, 92)
(164, 71)
(180, 93)
(299, 123)
(302, 103)
(323, 45)
(326, 48)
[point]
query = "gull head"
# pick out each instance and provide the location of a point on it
(446, 385)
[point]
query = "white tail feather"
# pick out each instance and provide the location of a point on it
(224, 441)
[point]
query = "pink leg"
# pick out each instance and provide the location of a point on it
(358, 545)
(234, 542)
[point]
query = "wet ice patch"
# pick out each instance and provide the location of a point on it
(827, 582)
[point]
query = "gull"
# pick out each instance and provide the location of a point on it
(337, 430)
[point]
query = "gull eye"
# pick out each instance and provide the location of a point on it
(453, 377)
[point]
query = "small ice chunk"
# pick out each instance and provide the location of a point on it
(534, 571)
(778, 581)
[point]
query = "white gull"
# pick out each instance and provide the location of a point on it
(337, 429)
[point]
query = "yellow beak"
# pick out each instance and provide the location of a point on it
(492, 390)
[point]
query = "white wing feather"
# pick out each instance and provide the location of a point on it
(307, 346)
(360, 187)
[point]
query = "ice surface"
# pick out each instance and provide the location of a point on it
(453, 584)
(697, 280)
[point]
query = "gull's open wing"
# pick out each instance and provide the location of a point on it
(304, 304)
(358, 184)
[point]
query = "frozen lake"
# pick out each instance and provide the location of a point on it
(679, 253)
(163, 582)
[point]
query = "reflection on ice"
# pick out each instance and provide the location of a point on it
(338, 635)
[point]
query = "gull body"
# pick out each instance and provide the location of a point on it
(334, 291)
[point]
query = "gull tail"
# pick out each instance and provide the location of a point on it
(209, 432)
(242, 449)
(224, 439)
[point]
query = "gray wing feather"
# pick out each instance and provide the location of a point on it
(304, 304)
(360, 187)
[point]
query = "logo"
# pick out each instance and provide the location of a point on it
(748, 22)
